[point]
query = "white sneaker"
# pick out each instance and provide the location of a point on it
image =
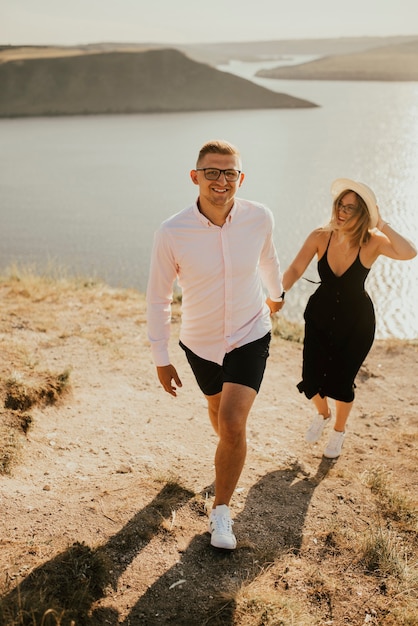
(335, 443)
(220, 527)
(316, 428)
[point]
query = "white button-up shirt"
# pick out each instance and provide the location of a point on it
(221, 272)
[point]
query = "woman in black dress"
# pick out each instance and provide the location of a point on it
(339, 316)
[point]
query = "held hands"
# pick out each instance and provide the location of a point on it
(274, 306)
(166, 374)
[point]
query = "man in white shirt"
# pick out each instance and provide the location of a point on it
(222, 254)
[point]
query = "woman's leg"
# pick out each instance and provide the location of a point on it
(342, 411)
(336, 440)
(320, 420)
(321, 405)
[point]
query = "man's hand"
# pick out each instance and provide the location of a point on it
(166, 374)
(274, 306)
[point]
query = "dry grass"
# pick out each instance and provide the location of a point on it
(350, 564)
(18, 395)
(361, 570)
(290, 331)
(21, 396)
(264, 601)
(392, 502)
(24, 383)
(10, 445)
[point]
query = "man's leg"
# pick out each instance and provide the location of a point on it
(213, 410)
(234, 406)
(228, 412)
(239, 379)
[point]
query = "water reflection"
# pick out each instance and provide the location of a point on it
(88, 192)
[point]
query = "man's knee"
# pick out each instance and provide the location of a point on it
(232, 426)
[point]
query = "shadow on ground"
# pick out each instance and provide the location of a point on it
(68, 588)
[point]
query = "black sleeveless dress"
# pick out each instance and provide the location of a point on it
(339, 332)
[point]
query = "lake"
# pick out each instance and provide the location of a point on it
(86, 193)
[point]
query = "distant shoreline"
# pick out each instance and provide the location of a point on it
(152, 78)
(387, 63)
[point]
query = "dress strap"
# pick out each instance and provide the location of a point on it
(329, 241)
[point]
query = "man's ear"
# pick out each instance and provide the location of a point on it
(241, 179)
(193, 176)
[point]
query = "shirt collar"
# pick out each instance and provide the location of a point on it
(207, 222)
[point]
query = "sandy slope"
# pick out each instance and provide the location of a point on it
(91, 464)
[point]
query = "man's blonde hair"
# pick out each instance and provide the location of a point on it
(217, 146)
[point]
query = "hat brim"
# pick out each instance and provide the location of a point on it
(346, 184)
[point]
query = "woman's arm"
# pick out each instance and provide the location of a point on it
(302, 259)
(392, 244)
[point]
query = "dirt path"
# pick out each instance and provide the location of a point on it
(122, 468)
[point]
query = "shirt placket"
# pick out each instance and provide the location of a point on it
(228, 315)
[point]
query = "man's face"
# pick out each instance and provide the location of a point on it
(220, 192)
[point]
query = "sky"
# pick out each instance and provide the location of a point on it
(74, 22)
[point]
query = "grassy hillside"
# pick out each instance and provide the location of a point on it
(161, 80)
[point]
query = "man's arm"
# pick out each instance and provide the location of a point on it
(270, 270)
(159, 296)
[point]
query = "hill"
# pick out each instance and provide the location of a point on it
(398, 62)
(151, 80)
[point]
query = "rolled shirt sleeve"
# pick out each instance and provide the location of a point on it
(161, 279)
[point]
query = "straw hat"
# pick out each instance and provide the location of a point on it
(346, 184)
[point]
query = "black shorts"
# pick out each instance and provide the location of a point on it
(244, 366)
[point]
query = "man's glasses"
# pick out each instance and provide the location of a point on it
(348, 209)
(213, 173)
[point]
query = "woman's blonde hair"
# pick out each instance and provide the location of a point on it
(356, 230)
